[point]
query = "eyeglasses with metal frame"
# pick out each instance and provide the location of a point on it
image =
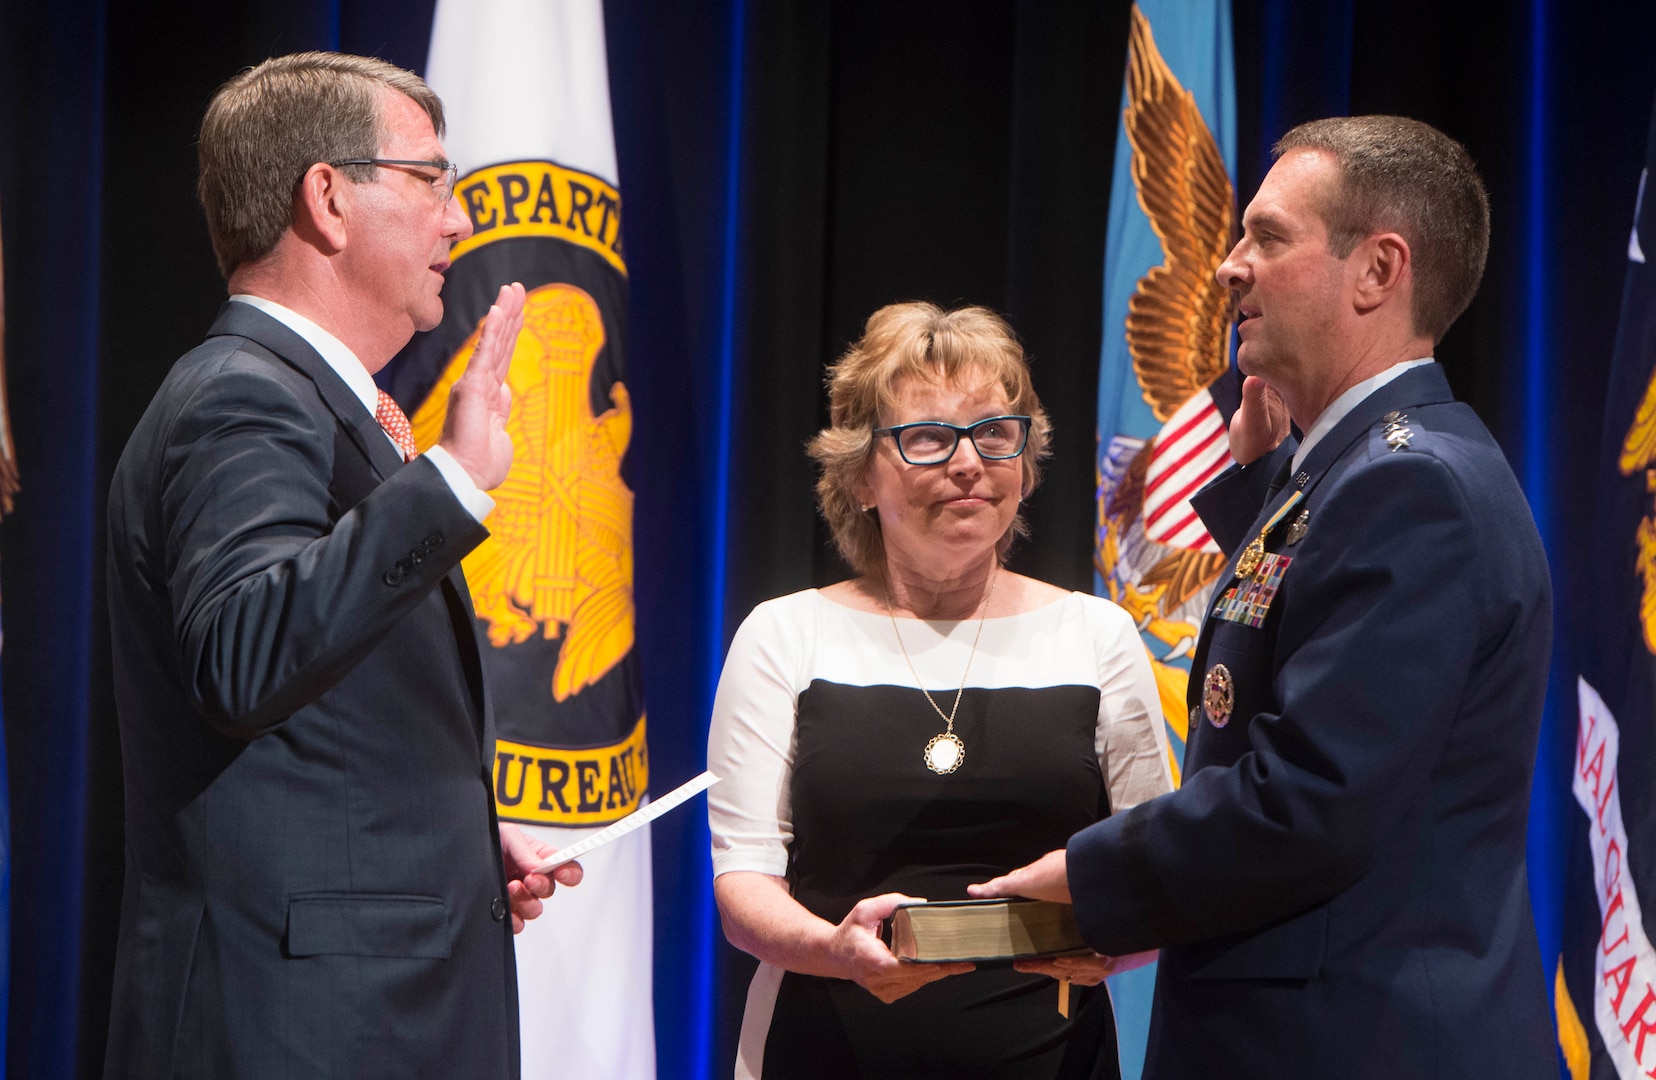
(442, 184)
(932, 442)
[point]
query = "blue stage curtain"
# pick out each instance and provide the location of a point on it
(53, 175)
(675, 94)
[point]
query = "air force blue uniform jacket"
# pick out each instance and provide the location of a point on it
(1339, 887)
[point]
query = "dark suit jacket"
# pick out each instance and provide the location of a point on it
(313, 876)
(1339, 886)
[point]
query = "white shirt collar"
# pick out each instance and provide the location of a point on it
(1340, 406)
(337, 354)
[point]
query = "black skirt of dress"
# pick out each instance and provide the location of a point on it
(870, 818)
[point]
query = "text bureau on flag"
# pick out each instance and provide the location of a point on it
(550, 786)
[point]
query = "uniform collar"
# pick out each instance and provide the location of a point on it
(1340, 406)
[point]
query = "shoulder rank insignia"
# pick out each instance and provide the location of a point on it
(1398, 433)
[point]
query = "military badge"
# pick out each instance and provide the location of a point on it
(1247, 564)
(1296, 531)
(1218, 695)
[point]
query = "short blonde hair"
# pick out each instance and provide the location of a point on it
(915, 340)
(267, 126)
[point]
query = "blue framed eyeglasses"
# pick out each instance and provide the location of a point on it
(442, 184)
(932, 442)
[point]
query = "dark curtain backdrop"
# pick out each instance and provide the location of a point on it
(786, 168)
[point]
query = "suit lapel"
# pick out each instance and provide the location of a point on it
(243, 320)
(358, 424)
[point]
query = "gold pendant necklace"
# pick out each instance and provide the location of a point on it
(945, 752)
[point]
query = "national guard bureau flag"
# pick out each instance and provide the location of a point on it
(1605, 987)
(1163, 365)
(525, 88)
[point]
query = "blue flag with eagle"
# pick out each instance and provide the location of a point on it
(525, 86)
(1605, 987)
(1163, 389)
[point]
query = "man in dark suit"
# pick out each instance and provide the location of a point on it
(1338, 889)
(316, 884)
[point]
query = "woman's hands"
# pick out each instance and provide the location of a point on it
(762, 919)
(862, 957)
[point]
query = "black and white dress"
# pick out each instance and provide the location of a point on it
(818, 732)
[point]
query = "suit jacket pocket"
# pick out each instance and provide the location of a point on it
(367, 924)
(1291, 949)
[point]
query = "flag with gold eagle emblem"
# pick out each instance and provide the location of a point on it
(1163, 363)
(525, 87)
(1605, 985)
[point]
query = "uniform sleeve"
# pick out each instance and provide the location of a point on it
(750, 743)
(277, 592)
(1132, 739)
(1379, 633)
(1229, 503)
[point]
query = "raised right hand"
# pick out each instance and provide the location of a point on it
(474, 431)
(863, 958)
(1259, 423)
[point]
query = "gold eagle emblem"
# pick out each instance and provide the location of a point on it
(559, 555)
(1178, 319)
(1639, 453)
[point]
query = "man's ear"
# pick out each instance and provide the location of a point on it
(1384, 262)
(319, 208)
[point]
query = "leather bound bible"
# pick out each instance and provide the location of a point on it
(980, 930)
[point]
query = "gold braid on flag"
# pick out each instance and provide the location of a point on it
(559, 554)
(9, 480)
(1178, 318)
(1639, 453)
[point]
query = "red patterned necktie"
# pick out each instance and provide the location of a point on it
(395, 423)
